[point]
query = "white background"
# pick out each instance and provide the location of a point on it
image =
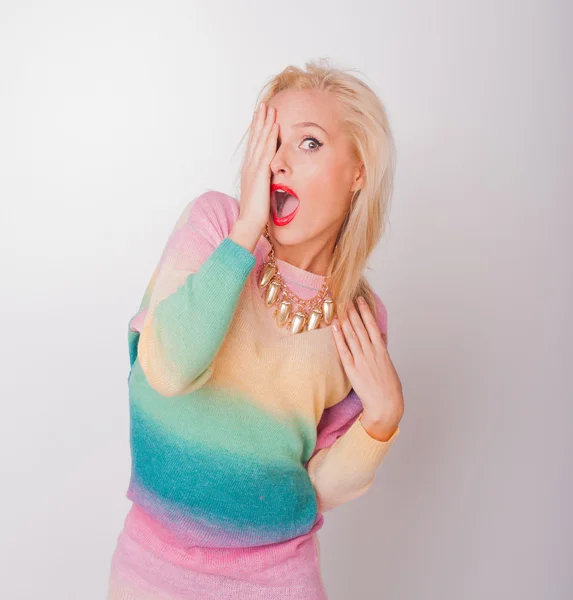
(114, 115)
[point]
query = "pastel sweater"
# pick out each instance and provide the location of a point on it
(242, 435)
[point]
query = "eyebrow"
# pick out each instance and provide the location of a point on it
(310, 124)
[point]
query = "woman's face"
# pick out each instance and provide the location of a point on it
(316, 163)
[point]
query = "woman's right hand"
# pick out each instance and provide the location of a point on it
(255, 203)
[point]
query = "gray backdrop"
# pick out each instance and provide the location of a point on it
(113, 115)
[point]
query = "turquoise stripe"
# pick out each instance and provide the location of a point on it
(222, 418)
(275, 499)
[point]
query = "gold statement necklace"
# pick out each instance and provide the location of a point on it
(309, 313)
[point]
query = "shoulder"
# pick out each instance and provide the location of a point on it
(381, 315)
(212, 214)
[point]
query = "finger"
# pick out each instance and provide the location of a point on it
(345, 354)
(263, 135)
(256, 125)
(350, 334)
(261, 143)
(271, 148)
(359, 328)
(376, 336)
(249, 149)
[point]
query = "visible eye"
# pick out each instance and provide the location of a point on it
(317, 143)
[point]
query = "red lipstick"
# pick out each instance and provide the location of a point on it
(281, 221)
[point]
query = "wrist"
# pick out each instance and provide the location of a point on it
(379, 428)
(245, 234)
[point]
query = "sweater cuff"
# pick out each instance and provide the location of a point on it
(235, 256)
(365, 448)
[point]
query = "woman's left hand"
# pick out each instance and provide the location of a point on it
(365, 358)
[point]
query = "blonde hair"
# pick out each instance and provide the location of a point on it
(365, 121)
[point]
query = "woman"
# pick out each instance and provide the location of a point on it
(260, 396)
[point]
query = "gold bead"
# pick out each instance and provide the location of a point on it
(283, 312)
(314, 319)
(297, 322)
(328, 310)
(272, 293)
(267, 274)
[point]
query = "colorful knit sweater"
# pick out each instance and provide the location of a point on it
(241, 433)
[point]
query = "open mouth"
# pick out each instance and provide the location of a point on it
(284, 205)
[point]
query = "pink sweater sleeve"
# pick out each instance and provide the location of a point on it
(191, 298)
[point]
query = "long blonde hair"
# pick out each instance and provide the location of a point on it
(365, 121)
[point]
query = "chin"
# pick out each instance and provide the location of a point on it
(289, 235)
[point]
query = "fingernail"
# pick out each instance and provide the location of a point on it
(335, 325)
(261, 105)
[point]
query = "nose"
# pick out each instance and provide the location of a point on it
(279, 162)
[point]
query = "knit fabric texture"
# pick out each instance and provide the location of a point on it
(242, 435)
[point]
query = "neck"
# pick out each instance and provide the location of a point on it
(313, 255)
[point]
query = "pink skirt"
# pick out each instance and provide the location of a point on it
(149, 564)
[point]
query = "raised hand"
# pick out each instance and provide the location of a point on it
(256, 172)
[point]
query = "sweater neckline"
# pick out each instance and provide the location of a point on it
(307, 282)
